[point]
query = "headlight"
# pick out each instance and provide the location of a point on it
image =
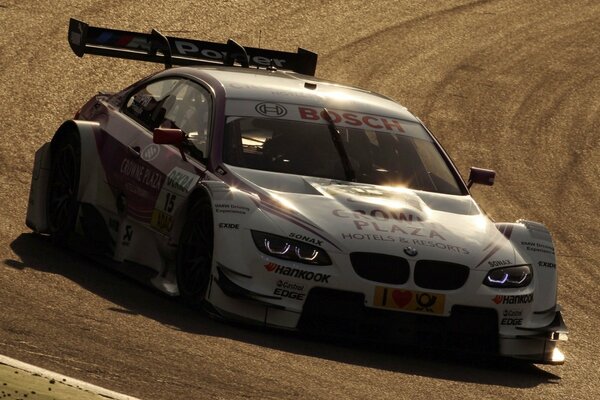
(292, 250)
(509, 277)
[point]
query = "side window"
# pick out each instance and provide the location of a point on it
(147, 105)
(173, 103)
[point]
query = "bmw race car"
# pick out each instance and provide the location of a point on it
(247, 186)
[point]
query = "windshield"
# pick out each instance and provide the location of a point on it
(403, 156)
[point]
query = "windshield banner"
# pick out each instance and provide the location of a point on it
(312, 114)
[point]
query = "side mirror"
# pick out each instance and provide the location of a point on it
(168, 136)
(481, 176)
(172, 136)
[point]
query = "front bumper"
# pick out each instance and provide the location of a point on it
(339, 313)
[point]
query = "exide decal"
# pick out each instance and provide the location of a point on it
(516, 299)
(297, 273)
(546, 264)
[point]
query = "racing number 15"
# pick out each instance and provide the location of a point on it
(169, 202)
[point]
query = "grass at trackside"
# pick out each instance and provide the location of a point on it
(16, 384)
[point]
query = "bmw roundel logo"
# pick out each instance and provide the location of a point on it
(410, 251)
(271, 109)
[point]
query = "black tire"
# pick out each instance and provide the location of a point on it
(194, 254)
(63, 186)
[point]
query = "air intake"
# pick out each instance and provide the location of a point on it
(380, 267)
(440, 275)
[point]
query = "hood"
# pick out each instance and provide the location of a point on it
(355, 217)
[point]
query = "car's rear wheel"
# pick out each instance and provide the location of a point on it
(194, 254)
(63, 185)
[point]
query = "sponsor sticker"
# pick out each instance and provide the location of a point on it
(297, 273)
(290, 285)
(142, 174)
(538, 247)
(180, 181)
(150, 152)
(127, 236)
(409, 300)
(307, 239)
(176, 186)
(516, 299)
(271, 109)
(290, 294)
(499, 263)
(511, 321)
(225, 225)
(227, 208)
(546, 264)
(161, 221)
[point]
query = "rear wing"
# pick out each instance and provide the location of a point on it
(155, 47)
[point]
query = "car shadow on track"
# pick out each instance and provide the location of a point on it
(133, 298)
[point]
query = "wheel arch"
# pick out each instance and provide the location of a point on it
(84, 132)
(201, 191)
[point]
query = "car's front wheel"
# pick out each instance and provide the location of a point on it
(194, 254)
(62, 206)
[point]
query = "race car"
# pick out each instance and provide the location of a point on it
(242, 183)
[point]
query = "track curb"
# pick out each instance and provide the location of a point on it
(63, 379)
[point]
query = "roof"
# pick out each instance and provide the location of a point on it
(292, 88)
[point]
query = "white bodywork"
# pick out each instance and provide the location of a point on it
(339, 218)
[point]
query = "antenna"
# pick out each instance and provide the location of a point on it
(259, 37)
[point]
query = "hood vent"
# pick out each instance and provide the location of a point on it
(440, 275)
(381, 267)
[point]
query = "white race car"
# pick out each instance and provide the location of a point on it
(248, 186)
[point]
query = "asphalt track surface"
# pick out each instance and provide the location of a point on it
(510, 85)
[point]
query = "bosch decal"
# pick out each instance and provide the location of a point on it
(352, 119)
(271, 109)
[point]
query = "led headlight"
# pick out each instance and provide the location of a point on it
(292, 250)
(509, 277)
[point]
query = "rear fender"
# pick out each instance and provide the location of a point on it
(92, 187)
(36, 207)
